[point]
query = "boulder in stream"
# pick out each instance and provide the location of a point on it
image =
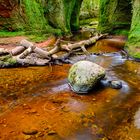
(84, 75)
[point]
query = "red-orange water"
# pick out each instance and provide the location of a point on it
(40, 98)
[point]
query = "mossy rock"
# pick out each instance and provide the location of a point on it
(84, 75)
(7, 61)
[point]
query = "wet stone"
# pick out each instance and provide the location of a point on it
(52, 132)
(30, 131)
(84, 75)
(116, 84)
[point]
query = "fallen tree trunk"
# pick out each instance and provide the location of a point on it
(83, 43)
(29, 54)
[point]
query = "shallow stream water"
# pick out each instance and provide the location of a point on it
(40, 98)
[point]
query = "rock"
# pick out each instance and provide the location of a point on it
(116, 84)
(27, 137)
(52, 132)
(105, 82)
(3, 51)
(84, 75)
(30, 131)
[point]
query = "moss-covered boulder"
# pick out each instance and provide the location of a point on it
(84, 75)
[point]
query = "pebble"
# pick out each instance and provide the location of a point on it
(40, 134)
(33, 111)
(4, 125)
(26, 137)
(107, 101)
(51, 132)
(94, 99)
(30, 131)
(116, 84)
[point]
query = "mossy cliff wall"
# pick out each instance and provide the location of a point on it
(56, 16)
(114, 15)
(64, 14)
(8, 10)
(89, 9)
(117, 16)
(133, 44)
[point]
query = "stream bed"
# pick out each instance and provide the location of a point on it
(39, 99)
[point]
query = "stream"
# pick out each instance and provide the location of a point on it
(40, 98)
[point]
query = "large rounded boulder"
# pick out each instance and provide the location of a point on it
(84, 75)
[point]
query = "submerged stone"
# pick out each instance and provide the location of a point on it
(30, 131)
(116, 84)
(84, 75)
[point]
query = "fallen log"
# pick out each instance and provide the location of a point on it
(83, 43)
(32, 48)
(17, 50)
(29, 54)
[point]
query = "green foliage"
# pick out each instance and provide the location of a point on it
(38, 38)
(9, 34)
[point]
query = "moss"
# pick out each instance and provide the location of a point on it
(124, 32)
(89, 9)
(41, 17)
(113, 15)
(38, 38)
(9, 34)
(68, 7)
(74, 21)
(35, 20)
(64, 14)
(133, 44)
(7, 61)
